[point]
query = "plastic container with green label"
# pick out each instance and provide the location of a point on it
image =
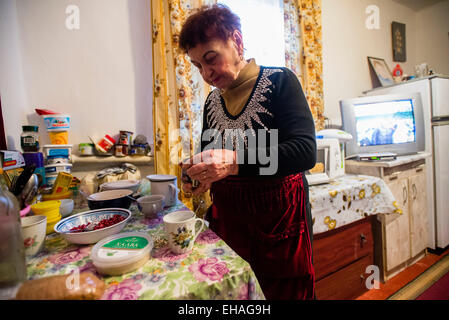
(122, 253)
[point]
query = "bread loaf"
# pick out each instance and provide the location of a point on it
(77, 286)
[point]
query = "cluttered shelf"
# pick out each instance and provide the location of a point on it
(137, 160)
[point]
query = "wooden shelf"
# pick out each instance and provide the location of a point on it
(92, 160)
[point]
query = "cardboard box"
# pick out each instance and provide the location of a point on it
(11, 159)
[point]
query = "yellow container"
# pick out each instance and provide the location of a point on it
(51, 223)
(62, 183)
(58, 196)
(59, 137)
(47, 208)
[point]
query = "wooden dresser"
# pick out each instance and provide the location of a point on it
(341, 257)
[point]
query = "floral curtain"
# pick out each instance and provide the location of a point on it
(303, 51)
(179, 91)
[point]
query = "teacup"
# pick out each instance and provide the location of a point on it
(150, 206)
(180, 227)
(166, 185)
(34, 231)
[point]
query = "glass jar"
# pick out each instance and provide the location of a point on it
(29, 139)
(12, 250)
(139, 149)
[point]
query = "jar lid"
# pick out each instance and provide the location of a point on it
(86, 144)
(121, 250)
(46, 205)
(30, 128)
(161, 177)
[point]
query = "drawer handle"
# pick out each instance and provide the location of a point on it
(415, 191)
(419, 169)
(362, 239)
(404, 195)
(393, 178)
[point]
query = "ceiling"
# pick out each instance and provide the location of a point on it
(417, 5)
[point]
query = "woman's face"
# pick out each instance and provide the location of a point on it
(218, 61)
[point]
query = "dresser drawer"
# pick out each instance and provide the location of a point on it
(345, 284)
(338, 248)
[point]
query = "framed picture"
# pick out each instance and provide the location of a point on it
(398, 39)
(380, 68)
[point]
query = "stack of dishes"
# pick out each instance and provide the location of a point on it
(50, 209)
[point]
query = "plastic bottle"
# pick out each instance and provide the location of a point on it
(12, 251)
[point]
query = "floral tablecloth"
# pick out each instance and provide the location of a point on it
(348, 199)
(211, 271)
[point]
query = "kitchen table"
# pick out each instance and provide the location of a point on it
(212, 270)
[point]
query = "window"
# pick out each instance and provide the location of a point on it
(263, 29)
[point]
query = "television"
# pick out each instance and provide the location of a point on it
(383, 124)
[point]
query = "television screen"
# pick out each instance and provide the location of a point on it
(386, 122)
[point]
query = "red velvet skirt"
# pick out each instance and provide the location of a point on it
(264, 221)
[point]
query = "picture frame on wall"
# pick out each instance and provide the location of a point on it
(381, 70)
(398, 41)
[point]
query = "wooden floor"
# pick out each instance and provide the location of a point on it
(401, 279)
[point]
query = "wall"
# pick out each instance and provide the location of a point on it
(100, 74)
(347, 43)
(433, 47)
(12, 83)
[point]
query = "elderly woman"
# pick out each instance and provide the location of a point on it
(258, 139)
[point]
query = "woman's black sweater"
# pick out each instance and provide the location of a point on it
(276, 106)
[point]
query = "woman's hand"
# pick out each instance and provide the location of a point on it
(210, 166)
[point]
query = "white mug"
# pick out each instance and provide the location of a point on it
(180, 227)
(166, 185)
(34, 231)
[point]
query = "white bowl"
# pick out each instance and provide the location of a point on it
(66, 207)
(121, 184)
(63, 227)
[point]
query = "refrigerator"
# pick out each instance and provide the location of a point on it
(435, 100)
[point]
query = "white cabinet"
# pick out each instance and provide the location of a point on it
(403, 237)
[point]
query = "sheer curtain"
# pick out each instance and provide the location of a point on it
(286, 33)
(263, 41)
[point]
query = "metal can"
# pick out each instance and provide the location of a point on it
(106, 143)
(125, 137)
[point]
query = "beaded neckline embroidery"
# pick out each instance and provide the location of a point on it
(234, 129)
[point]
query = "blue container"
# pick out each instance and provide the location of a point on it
(36, 158)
